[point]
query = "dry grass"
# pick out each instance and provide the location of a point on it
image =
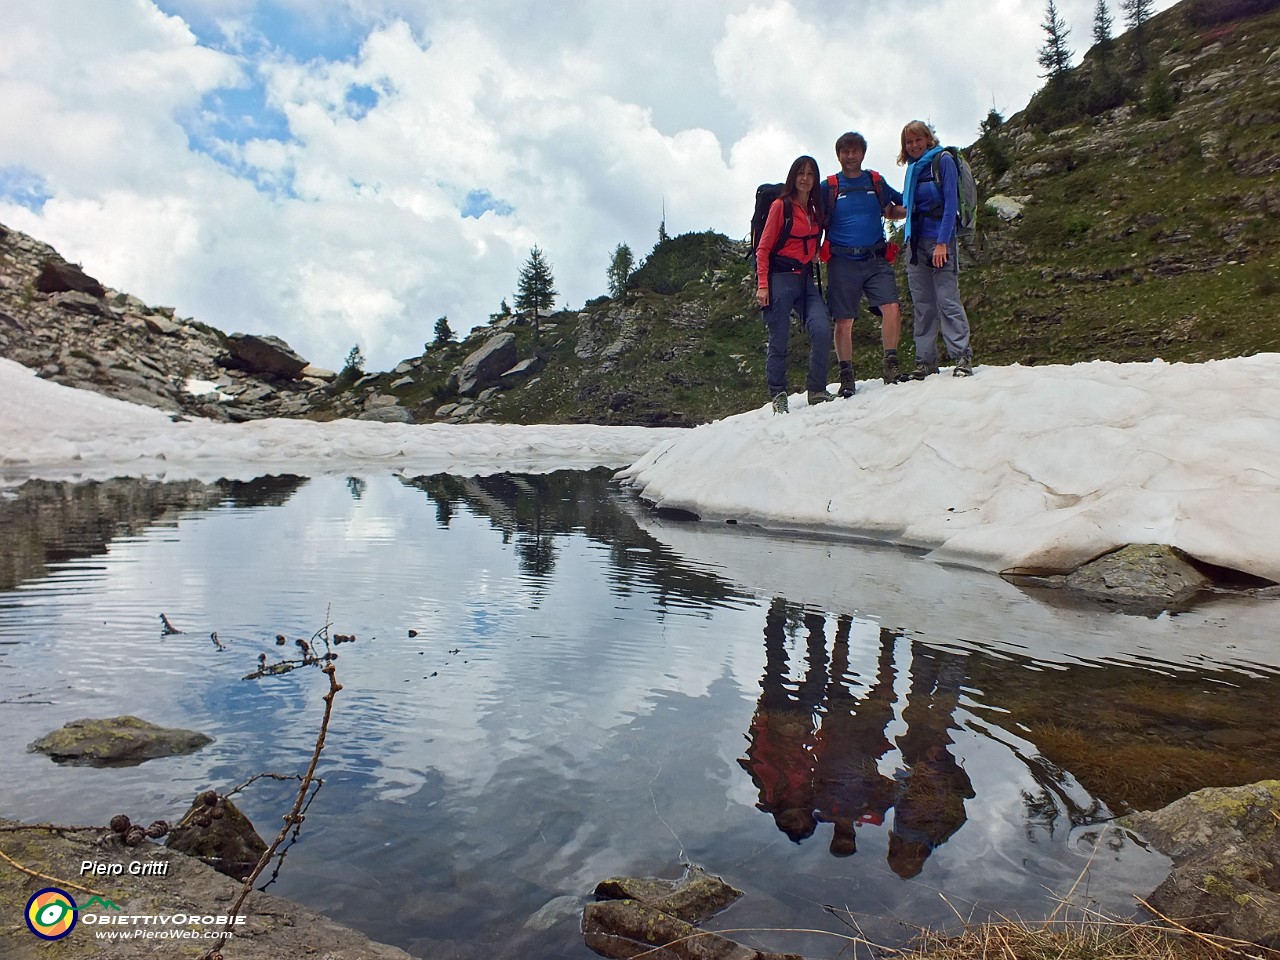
(1084, 939)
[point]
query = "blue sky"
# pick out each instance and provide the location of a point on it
(345, 173)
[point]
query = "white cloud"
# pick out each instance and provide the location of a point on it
(259, 185)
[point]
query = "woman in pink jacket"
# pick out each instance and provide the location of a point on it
(785, 270)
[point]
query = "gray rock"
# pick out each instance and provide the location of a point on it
(159, 323)
(521, 370)
(1007, 208)
(266, 354)
(116, 742)
(59, 277)
(483, 367)
(1225, 847)
(76, 301)
(386, 415)
(1141, 574)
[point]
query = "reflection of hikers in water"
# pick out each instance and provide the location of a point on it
(930, 807)
(780, 758)
(850, 787)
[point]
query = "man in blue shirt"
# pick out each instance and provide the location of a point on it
(858, 268)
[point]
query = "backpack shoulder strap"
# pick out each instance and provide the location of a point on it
(788, 215)
(936, 164)
(877, 184)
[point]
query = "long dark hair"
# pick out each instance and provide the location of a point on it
(788, 193)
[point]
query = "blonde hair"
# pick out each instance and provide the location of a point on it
(917, 127)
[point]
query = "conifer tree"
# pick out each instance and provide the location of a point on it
(1102, 23)
(1054, 56)
(443, 332)
(536, 290)
(620, 268)
(1137, 12)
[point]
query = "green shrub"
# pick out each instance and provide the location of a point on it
(1076, 224)
(1264, 277)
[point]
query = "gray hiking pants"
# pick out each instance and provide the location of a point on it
(935, 301)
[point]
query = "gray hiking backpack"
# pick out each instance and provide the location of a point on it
(966, 186)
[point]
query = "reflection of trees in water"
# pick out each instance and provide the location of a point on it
(44, 522)
(532, 512)
(357, 486)
(816, 745)
(262, 492)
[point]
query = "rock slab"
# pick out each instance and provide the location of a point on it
(116, 742)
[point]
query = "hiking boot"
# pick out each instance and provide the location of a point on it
(819, 396)
(848, 385)
(923, 370)
(892, 373)
(964, 367)
(780, 403)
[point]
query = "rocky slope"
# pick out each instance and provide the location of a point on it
(1132, 211)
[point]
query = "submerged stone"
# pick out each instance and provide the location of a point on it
(628, 928)
(116, 742)
(694, 897)
(635, 915)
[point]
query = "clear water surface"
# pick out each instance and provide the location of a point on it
(550, 687)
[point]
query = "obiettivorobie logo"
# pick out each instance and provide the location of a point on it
(52, 912)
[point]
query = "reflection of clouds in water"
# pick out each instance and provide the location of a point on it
(592, 720)
(962, 609)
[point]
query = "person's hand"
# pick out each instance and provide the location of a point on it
(762, 297)
(895, 211)
(940, 255)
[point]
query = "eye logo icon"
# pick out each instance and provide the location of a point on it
(51, 913)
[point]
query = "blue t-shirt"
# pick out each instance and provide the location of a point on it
(858, 220)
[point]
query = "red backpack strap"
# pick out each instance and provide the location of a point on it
(877, 184)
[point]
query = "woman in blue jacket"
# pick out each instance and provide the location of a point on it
(933, 265)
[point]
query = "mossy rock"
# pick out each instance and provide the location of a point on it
(116, 742)
(1225, 846)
